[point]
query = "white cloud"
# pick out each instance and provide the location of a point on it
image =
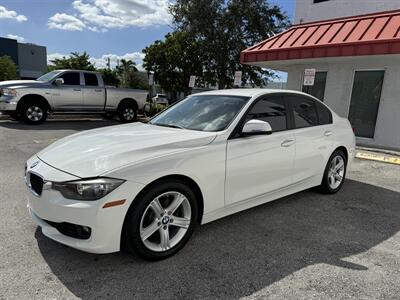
(65, 22)
(101, 62)
(11, 14)
(53, 56)
(16, 37)
(101, 15)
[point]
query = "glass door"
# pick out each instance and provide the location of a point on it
(364, 103)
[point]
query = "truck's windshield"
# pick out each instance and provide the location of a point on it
(48, 76)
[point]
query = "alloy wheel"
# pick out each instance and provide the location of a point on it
(336, 172)
(34, 113)
(128, 113)
(165, 221)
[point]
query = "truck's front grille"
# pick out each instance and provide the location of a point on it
(35, 183)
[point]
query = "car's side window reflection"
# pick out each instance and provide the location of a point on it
(272, 110)
(304, 111)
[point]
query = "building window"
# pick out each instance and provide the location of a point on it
(318, 1)
(364, 103)
(318, 89)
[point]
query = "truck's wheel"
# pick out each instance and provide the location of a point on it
(127, 112)
(33, 112)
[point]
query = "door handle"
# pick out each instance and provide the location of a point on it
(77, 90)
(287, 143)
(328, 133)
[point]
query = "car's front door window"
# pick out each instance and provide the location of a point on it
(270, 109)
(71, 78)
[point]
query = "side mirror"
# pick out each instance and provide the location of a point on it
(256, 127)
(59, 81)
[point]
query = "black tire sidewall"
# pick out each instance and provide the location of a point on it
(325, 182)
(131, 235)
(24, 116)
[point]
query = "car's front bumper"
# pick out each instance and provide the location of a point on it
(105, 223)
(8, 104)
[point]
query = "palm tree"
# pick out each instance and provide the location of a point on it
(126, 71)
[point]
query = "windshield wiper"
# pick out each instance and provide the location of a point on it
(167, 125)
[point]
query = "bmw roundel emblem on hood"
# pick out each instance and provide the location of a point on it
(34, 164)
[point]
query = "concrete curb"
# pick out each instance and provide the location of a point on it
(378, 156)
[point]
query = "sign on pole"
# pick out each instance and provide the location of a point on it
(309, 76)
(192, 81)
(151, 79)
(238, 78)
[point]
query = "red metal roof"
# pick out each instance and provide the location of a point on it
(370, 34)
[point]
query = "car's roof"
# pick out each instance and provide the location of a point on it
(249, 92)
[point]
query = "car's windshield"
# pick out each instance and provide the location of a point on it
(48, 76)
(202, 112)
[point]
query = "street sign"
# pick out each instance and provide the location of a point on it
(238, 78)
(151, 79)
(192, 81)
(309, 76)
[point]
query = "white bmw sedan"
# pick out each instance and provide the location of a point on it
(147, 186)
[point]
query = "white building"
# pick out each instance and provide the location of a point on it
(357, 60)
(317, 10)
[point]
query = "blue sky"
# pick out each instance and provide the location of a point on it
(114, 28)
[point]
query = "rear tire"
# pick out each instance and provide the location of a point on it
(152, 220)
(335, 173)
(33, 112)
(127, 112)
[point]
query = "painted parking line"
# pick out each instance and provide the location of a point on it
(379, 157)
(48, 141)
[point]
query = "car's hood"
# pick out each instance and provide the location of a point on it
(19, 83)
(95, 152)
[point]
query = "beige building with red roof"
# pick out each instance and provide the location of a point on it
(356, 62)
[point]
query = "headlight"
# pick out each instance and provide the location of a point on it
(89, 189)
(8, 92)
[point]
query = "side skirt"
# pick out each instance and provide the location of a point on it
(262, 199)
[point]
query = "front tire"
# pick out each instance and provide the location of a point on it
(127, 112)
(161, 221)
(335, 173)
(34, 112)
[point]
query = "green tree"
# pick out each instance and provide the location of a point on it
(75, 61)
(126, 71)
(8, 69)
(174, 60)
(223, 28)
(110, 76)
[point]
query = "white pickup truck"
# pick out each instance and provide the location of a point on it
(68, 92)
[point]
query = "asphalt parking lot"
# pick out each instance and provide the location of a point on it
(303, 246)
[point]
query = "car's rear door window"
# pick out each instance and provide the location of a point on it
(304, 111)
(91, 79)
(324, 114)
